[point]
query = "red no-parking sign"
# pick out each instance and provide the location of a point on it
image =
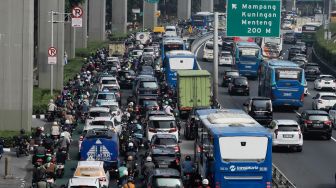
(52, 53)
(77, 13)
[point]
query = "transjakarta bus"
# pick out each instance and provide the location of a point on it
(308, 33)
(232, 149)
(171, 43)
(271, 47)
(283, 82)
(202, 20)
(247, 58)
(178, 60)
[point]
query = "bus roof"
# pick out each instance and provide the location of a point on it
(186, 73)
(180, 53)
(281, 63)
(168, 40)
(204, 13)
(247, 44)
(230, 121)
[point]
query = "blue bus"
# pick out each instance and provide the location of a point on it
(232, 149)
(283, 82)
(171, 43)
(178, 60)
(247, 58)
(202, 20)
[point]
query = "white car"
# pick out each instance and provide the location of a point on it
(208, 51)
(99, 122)
(170, 31)
(108, 81)
(84, 182)
(162, 125)
(286, 133)
(148, 51)
(95, 112)
(324, 101)
(325, 82)
(136, 53)
(225, 58)
(93, 169)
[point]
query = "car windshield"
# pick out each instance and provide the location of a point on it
(288, 128)
(148, 50)
(319, 117)
(162, 124)
(261, 104)
(327, 77)
(328, 97)
(106, 123)
(165, 141)
(312, 67)
(167, 183)
(152, 85)
(233, 73)
(148, 103)
(109, 96)
(99, 114)
(240, 81)
(109, 81)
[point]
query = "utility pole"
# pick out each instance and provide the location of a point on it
(329, 19)
(215, 60)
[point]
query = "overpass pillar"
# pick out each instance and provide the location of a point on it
(290, 5)
(183, 9)
(16, 67)
(97, 12)
(149, 18)
(119, 16)
(44, 42)
(81, 32)
(207, 5)
(69, 40)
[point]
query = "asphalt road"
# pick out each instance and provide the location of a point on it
(314, 167)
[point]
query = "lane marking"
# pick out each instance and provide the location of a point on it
(332, 138)
(297, 113)
(196, 52)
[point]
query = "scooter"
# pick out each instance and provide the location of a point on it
(59, 170)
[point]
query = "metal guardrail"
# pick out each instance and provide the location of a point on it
(279, 180)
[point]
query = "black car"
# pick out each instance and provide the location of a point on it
(164, 157)
(145, 103)
(260, 108)
(146, 70)
(115, 90)
(293, 51)
(299, 62)
(126, 78)
(147, 86)
(164, 177)
(312, 71)
(239, 85)
(138, 78)
(228, 75)
(228, 44)
(165, 141)
(190, 128)
(303, 47)
(315, 122)
(289, 38)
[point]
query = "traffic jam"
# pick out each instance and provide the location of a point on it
(123, 119)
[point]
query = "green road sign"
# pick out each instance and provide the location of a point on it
(254, 18)
(152, 1)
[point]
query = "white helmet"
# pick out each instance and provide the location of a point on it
(51, 100)
(205, 182)
(67, 121)
(55, 123)
(149, 159)
(88, 72)
(62, 134)
(125, 172)
(130, 144)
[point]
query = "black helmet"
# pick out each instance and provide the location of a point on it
(22, 131)
(188, 158)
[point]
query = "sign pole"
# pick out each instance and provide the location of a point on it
(215, 60)
(51, 65)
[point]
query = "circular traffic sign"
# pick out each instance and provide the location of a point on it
(77, 12)
(52, 51)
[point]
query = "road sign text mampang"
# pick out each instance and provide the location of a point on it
(259, 18)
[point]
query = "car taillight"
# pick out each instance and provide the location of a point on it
(177, 160)
(268, 184)
(327, 122)
(276, 133)
(217, 184)
(81, 138)
(158, 92)
(319, 101)
(152, 130)
(137, 108)
(177, 148)
(308, 122)
(172, 130)
(102, 179)
(302, 97)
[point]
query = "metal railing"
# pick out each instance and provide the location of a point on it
(279, 180)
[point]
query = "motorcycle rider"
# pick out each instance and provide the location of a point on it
(23, 140)
(168, 109)
(52, 108)
(130, 164)
(1, 146)
(64, 143)
(130, 183)
(148, 166)
(48, 142)
(50, 168)
(187, 166)
(205, 183)
(123, 173)
(39, 173)
(61, 156)
(55, 130)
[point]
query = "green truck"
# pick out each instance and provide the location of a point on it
(193, 89)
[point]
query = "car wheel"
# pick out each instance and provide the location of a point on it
(299, 149)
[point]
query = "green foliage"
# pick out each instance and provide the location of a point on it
(71, 3)
(72, 68)
(8, 137)
(326, 49)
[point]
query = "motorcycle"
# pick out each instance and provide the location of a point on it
(59, 170)
(21, 148)
(50, 116)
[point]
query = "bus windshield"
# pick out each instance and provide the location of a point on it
(181, 63)
(170, 47)
(288, 74)
(248, 54)
(272, 40)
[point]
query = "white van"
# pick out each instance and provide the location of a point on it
(143, 37)
(171, 31)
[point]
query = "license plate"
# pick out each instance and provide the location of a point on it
(327, 82)
(239, 90)
(163, 166)
(288, 136)
(317, 125)
(287, 94)
(248, 67)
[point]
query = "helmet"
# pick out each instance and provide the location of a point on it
(55, 123)
(48, 159)
(88, 72)
(67, 121)
(22, 131)
(85, 96)
(205, 182)
(170, 100)
(130, 179)
(188, 158)
(51, 100)
(130, 104)
(39, 161)
(166, 102)
(130, 144)
(130, 158)
(48, 135)
(62, 134)
(149, 159)
(125, 172)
